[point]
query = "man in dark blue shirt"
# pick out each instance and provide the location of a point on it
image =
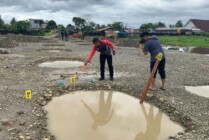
(153, 46)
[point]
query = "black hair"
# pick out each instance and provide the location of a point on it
(144, 34)
(95, 40)
(142, 41)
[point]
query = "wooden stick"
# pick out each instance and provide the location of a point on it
(83, 68)
(149, 81)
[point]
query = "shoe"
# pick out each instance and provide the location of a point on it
(111, 79)
(163, 89)
(152, 89)
(101, 79)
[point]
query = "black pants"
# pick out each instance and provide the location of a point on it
(103, 59)
(161, 69)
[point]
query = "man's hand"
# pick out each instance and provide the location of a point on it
(113, 52)
(86, 62)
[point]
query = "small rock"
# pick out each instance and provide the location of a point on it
(48, 96)
(4, 122)
(162, 99)
(20, 112)
(180, 133)
(173, 101)
(43, 103)
(11, 129)
(27, 138)
(22, 123)
(171, 138)
(150, 95)
(21, 137)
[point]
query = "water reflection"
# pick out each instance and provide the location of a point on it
(104, 115)
(153, 125)
(77, 116)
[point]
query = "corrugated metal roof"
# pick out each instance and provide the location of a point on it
(201, 24)
(103, 29)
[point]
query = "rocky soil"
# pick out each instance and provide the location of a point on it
(22, 119)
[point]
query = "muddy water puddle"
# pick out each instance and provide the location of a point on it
(61, 64)
(106, 115)
(201, 90)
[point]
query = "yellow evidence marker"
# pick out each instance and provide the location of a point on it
(73, 80)
(28, 94)
(159, 57)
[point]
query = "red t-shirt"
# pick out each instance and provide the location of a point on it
(94, 49)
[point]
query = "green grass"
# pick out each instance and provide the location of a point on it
(48, 34)
(187, 41)
(184, 41)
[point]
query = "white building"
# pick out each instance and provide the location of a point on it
(202, 25)
(37, 24)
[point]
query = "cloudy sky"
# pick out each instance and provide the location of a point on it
(131, 12)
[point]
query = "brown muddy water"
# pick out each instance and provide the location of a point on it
(201, 90)
(62, 64)
(106, 115)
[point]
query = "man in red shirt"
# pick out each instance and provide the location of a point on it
(106, 49)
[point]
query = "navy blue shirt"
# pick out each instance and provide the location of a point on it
(154, 47)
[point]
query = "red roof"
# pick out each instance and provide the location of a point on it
(201, 24)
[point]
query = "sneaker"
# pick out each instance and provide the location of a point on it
(111, 79)
(101, 79)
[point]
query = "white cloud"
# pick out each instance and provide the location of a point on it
(131, 12)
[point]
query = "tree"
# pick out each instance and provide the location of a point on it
(179, 23)
(51, 25)
(161, 25)
(171, 26)
(88, 29)
(103, 26)
(148, 26)
(92, 24)
(1, 23)
(13, 24)
(23, 26)
(97, 27)
(79, 23)
(13, 21)
(61, 27)
(119, 26)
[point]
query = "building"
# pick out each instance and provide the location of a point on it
(37, 24)
(177, 31)
(202, 25)
(133, 32)
(107, 32)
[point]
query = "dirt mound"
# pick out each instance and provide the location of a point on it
(11, 40)
(200, 50)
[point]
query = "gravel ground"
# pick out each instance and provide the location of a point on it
(26, 119)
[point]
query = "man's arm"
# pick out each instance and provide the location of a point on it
(91, 54)
(146, 48)
(145, 52)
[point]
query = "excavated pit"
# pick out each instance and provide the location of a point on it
(102, 115)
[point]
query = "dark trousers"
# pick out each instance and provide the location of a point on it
(103, 59)
(161, 69)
